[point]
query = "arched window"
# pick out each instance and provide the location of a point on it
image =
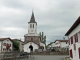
(33, 25)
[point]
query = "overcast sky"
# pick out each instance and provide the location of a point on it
(53, 17)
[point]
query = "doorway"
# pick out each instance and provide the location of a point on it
(31, 48)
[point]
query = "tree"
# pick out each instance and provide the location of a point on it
(43, 38)
(16, 45)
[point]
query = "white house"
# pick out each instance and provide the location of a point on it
(32, 39)
(6, 45)
(74, 40)
(59, 44)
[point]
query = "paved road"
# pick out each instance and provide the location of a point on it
(48, 57)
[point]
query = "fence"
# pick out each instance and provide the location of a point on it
(15, 55)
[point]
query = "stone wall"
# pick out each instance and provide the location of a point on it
(35, 39)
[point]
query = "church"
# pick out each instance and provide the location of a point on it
(32, 39)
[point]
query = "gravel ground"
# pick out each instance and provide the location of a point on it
(47, 57)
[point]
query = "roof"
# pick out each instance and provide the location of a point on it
(76, 23)
(62, 40)
(32, 20)
(2, 39)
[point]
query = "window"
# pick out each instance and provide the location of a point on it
(69, 41)
(4, 44)
(72, 40)
(66, 42)
(76, 37)
(10, 45)
(3, 49)
(33, 25)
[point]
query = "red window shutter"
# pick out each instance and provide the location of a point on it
(76, 37)
(3, 49)
(69, 41)
(66, 42)
(71, 53)
(10, 45)
(79, 52)
(72, 40)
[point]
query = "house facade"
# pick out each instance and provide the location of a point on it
(32, 39)
(6, 45)
(59, 44)
(74, 40)
(62, 43)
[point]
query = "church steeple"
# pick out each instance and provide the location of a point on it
(32, 20)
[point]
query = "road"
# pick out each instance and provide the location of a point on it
(48, 57)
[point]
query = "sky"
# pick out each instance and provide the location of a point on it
(53, 17)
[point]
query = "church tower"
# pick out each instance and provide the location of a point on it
(32, 25)
(32, 35)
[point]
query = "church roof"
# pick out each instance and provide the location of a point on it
(32, 20)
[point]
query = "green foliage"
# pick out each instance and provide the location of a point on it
(16, 45)
(43, 38)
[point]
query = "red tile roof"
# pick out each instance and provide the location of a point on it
(76, 23)
(62, 40)
(2, 39)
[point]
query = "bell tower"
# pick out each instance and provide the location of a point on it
(32, 25)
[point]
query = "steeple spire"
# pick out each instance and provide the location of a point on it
(32, 20)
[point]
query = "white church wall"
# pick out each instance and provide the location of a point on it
(32, 30)
(26, 46)
(42, 44)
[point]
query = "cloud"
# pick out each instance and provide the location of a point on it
(53, 17)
